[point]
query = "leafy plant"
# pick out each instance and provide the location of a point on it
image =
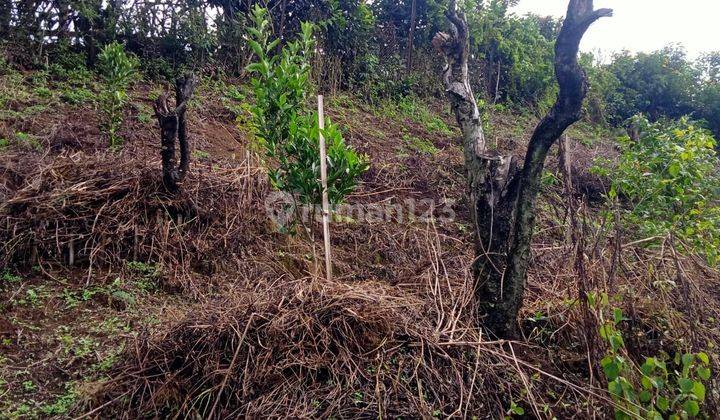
(76, 95)
(118, 69)
(286, 130)
(9, 277)
(29, 140)
(670, 176)
(662, 387)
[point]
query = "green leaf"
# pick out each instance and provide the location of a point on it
(703, 358)
(663, 404)
(699, 391)
(688, 359)
(257, 49)
(686, 385)
(645, 396)
(618, 316)
(271, 46)
(704, 373)
(615, 388)
(610, 367)
(692, 408)
(617, 342)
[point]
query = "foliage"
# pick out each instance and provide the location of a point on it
(517, 53)
(662, 387)
(348, 39)
(670, 176)
(657, 84)
(289, 133)
(118, 69)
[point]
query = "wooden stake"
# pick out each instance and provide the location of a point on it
(323, 180)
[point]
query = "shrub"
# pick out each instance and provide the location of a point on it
(118, 70)
(663, 387)
(670, 177)
(286, 130)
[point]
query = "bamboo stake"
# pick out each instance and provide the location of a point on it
(323, 180)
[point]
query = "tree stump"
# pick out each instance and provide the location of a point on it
(173, 127)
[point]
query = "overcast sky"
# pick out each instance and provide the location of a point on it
(644, 25)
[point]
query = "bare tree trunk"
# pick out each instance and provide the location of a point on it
(492, 180)
(174, 126)
(497, 83)
(411, 35)
(502, 197)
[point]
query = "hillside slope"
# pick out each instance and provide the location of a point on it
(199, 304)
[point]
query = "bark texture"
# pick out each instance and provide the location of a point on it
(492, 177)
(173, 127)
(503, 196)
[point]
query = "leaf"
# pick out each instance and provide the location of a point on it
(610, 367)
(257, 49)
(703, 358)
(688, 359)
(699, 391)
(692, 408)
(518, 410)
(704, 373)
(618, 316)
(271, 46)
(686, 385)
(645, 396)
(662, 403)
(615, 388)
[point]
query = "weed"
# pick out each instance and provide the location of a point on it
(666, 386)
(414, 109)
(71, 299)
(420, 145)
(514, 410)
(29, 140)
(9, 277)
(669, 175)
(43, 92)
(77, 95)
(200, 154)
(146, 276)
(32, 297)
(29, 386)
(62, 404)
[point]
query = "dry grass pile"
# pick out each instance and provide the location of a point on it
(104, 208)
(312, 348)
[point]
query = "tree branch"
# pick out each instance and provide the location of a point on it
(567, 110)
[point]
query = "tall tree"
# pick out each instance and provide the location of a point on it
(502, 195)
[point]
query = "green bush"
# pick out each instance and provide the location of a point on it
(118, 70)
(287, 131)
(670, 177)
(662, 387)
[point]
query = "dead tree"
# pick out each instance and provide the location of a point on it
(501, 194)
(174, 126)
